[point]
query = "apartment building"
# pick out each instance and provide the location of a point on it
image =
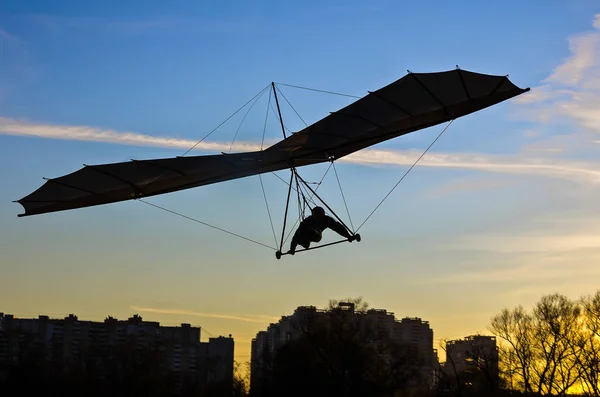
(472, 360)
(73, 340)
(411, 331)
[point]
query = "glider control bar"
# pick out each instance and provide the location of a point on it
(279, 254)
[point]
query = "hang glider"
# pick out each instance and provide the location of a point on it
(413, 102)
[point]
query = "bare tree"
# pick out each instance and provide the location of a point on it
(515, 328)
(541, 353)
(588, 344)
(556, 325)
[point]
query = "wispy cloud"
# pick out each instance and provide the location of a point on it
(572, 170)
(540, 267)
(9, 126)
(572, 90)
(251, 318)
(555, 249)
(515, 164)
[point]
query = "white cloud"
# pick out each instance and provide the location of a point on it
(9, 126)
(584, 58)
(547, 249)
(572, 91)
(526, 165)
(521, 258)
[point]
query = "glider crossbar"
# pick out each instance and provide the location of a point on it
(405, 174)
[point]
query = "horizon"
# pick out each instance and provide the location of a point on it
(499, 212)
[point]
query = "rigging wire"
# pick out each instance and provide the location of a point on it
(203, 223)
(302, 190)
(275, 113)
(406, 173)
(332, 164)
(314, 89)
(262, 142)
(293, 108)
(246, 115)
(260, 176)
(217, 127)
(268, 210)
(299, 189)
(343, 197)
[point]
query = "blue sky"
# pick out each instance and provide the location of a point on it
(501, 211)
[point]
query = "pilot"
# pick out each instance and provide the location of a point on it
(311, 229)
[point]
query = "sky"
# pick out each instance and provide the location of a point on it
(500, 211)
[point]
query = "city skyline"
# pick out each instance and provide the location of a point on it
(241, 356)
(501, 211)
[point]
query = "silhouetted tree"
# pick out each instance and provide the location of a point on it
(515, 327)
(541, 351)
(588, 344)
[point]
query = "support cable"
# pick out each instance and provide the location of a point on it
(203, 223)
(342, 192)
(262, 142)
(243, 119)
(217, 127)
(260, 176)
(268, 210)
(325, 204)
(275, 113)
(293, 108)
(314, 89)
(406, 173)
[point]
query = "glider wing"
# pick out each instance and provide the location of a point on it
(415, 101)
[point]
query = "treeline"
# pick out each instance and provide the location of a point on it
(552, 349)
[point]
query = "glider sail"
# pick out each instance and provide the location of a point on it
(411, 103)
